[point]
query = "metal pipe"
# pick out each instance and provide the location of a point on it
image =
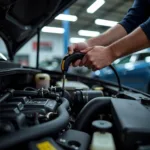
(38, 48)
(6, 95)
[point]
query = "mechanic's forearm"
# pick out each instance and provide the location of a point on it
(137, 40)
(108, 37)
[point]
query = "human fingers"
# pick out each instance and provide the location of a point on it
(76, 63)
(71, 48)
(85, 58)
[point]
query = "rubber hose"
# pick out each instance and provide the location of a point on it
(90, 110)
(25, 93)
(34, 94)
(49, 128)
(68, 96)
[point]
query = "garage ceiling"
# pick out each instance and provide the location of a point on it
(112, 10)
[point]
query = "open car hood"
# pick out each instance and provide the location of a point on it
(22, 19)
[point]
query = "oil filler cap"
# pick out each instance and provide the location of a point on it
(101, 125)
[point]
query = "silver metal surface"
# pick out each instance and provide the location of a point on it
(63, 85)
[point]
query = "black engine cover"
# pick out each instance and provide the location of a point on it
(132, 121)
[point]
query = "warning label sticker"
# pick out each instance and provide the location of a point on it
(45, 146)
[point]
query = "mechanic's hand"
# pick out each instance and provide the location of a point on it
(97, 57)
(77, 47)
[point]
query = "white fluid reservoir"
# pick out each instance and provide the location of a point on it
(102, 139)
(42, 80)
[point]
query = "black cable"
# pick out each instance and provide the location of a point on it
(117, 76)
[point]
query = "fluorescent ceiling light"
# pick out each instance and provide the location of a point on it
(76, 40)
(53, 30)
(95, 6)
(66, 17)
(88, 33)
(2, 56)
(105, 22)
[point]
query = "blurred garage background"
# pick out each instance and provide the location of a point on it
(83, 20)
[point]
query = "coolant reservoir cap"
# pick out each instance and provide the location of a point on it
(101, 125)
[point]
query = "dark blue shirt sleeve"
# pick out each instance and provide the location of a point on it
(138, 15)
(146, 27)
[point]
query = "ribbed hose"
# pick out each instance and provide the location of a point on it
(90, 110)
(49, 128)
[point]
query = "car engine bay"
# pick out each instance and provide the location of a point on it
(36, 113)
(93, 115)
